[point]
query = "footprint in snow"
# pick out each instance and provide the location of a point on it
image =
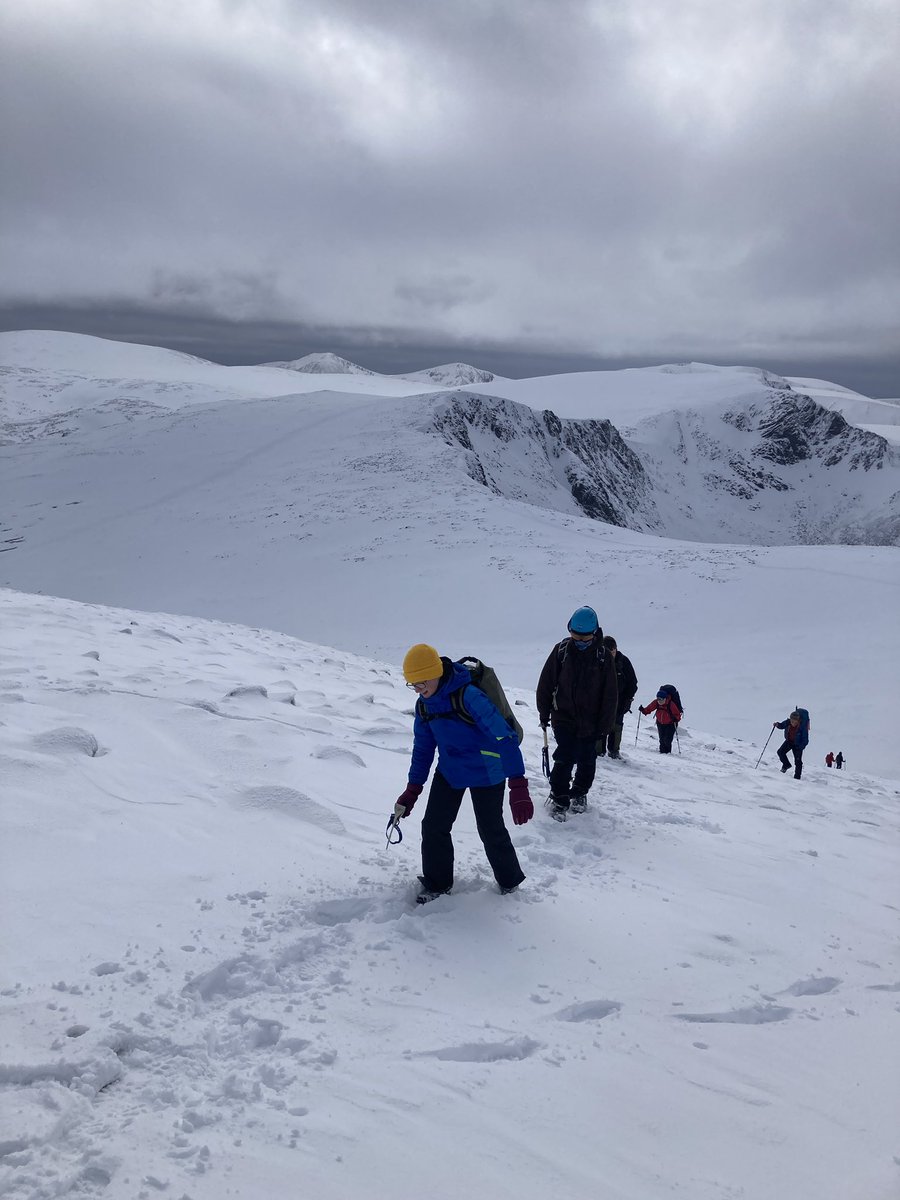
(68, 740)
(588, 1010)
(338, 754)
(339, 912)
(817, 985)
(247, 692)
(514, 1050)
(758, 1014)
(292, 804)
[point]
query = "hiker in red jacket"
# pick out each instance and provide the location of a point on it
(668, 714)
(829, 759)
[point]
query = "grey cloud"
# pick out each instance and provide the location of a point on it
(591, 174)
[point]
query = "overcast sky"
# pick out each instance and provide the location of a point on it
(625, 179)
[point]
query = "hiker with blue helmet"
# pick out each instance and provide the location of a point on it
(577, 695)
(477, 749)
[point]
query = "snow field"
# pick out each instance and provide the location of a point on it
(216, 981)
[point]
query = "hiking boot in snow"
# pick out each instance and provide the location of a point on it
(614, 754)
(428, 894)
(559, 807)
(506, 891)
(577, 803)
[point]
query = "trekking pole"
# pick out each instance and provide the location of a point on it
(677, 738)
(545, 755)
(638, 727)
(768, 739)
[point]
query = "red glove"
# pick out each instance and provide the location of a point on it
(409, 797)
(520, 801)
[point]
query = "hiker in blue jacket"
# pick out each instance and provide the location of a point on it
(796, 738)
(477, 749)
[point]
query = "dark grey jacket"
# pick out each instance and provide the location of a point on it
(578, 689)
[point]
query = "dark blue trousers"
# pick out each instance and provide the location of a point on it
(437, 844)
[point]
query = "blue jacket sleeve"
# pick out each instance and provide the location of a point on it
(494, 726)
(424, 747)
(782, 724)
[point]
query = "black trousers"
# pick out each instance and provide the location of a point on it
(786, 762)
(437, 845)
(666, 737)
(611, 742)
(572, 751)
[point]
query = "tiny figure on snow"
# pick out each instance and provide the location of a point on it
(477, 749)
(796, 738)
(829, 759)
(577, 695)
(627, 683)
(839, 760)
(667, 707)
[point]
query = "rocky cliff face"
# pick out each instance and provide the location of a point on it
(777, 468)
(575, 466)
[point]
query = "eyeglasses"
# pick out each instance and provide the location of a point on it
(418, 687)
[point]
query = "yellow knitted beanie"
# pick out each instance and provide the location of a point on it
(422, 662)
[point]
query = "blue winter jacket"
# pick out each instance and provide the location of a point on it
(468, 755)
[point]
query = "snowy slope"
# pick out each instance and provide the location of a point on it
(855, 408)
(216, 982)
(357, 522)
(56, 383)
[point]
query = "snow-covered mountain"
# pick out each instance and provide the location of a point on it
(451, 375)
(689, 451)
(322, 364)
(216, 982)
(53, 384)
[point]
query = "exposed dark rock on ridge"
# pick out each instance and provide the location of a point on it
(528, 455)
(778, 471)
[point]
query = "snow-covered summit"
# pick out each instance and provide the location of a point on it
(322, 364)
(452, 375)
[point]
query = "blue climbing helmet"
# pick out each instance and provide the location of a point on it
(583, 620)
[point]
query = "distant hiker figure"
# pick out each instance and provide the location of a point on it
(796, 738)
(477, 749)
(577, 695)
(668, 713)
(829, 760)
(626, 681)
(839, 761)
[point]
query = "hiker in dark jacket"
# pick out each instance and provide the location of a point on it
(626, 681)
(479, 756)
(668, 714)
(577, 695)
(796, 738)
(839, 760)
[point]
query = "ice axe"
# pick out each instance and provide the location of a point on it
(393, 826)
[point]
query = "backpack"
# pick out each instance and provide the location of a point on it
(672, 692)
(485, 679)
(803, 730)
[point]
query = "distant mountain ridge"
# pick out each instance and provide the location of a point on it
(695, 452)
